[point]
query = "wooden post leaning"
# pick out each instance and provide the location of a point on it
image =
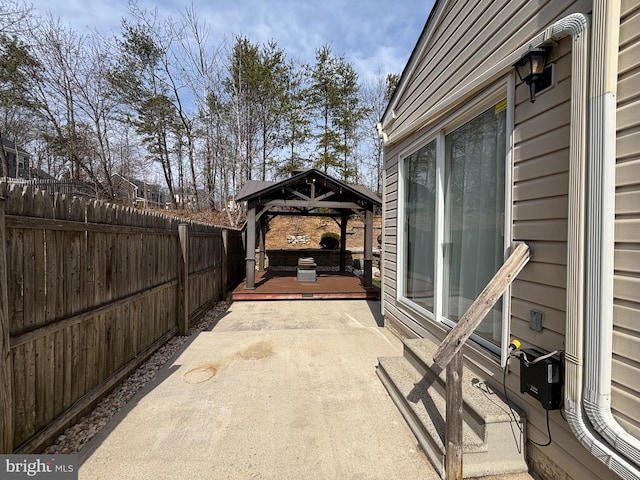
(449, 353)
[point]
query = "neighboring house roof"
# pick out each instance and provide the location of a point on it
(141, 188)
(250, 187)
(124, 178)
(41, 174)
(7, 144)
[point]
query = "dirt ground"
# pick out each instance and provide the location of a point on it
(284, 226)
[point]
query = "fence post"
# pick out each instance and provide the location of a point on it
(225, 263)
(183, 280)
(6, 370)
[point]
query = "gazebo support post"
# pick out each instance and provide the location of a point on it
(251, 249)
(261, 238)
(368, 249)
(344, 218)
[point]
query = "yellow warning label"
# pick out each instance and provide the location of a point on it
(500, 107)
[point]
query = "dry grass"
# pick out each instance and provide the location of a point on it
(314, 227)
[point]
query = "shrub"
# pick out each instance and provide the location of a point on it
(330, 241)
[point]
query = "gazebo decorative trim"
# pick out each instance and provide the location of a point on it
(307, 193)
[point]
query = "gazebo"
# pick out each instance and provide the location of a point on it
(307, 193)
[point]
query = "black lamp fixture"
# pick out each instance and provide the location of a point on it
(530, 67)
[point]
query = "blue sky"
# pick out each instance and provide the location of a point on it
(375, 36)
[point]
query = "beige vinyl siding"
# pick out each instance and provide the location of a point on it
(470, 38)
(476, 31)
(540, 187)
(540, 203)
(625, 399)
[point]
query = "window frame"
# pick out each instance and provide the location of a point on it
(446, 123)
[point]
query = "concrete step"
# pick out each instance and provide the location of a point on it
(492, 442)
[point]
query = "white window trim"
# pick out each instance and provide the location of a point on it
(400, 231)
(499, 91)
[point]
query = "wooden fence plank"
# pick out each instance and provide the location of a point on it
(183, 268)
(88, 271)
(74, 370)
(91, 350)
(49, 378)
(58, 377)
(36, 442)
(15, 259)
(24, 404)
(39, 266)
(6, 361)
(82, 359)
(51, 279)
(225, 263)
(28, 279)
(60, 247)
(41, 387)
(20, 428)
(67, 345)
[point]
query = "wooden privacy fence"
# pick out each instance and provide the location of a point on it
(87, 292)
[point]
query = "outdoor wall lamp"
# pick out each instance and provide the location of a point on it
(530, 67)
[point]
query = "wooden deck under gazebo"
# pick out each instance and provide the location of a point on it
(283, 285)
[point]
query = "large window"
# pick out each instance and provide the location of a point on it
(464, 235)
(420, 225)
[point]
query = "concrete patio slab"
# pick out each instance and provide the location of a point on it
(281, 390)
(276, 390)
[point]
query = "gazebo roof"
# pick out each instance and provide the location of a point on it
(308, 190)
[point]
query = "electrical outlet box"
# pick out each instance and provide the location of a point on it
(541, 378)
(535, 320)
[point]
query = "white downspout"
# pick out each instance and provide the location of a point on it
(383, 257)
(577, 25)
(598, 321)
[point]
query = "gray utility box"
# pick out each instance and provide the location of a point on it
(306, 270)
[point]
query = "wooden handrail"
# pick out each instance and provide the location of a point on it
(457, 337)
(449, 354)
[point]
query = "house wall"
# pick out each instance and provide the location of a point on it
(17, 161)
(626, 335)
(480, 36)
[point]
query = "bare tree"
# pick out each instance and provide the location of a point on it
(55, 96)
(198, 63)
(376, 95)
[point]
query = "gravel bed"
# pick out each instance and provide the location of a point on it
(75, 437)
